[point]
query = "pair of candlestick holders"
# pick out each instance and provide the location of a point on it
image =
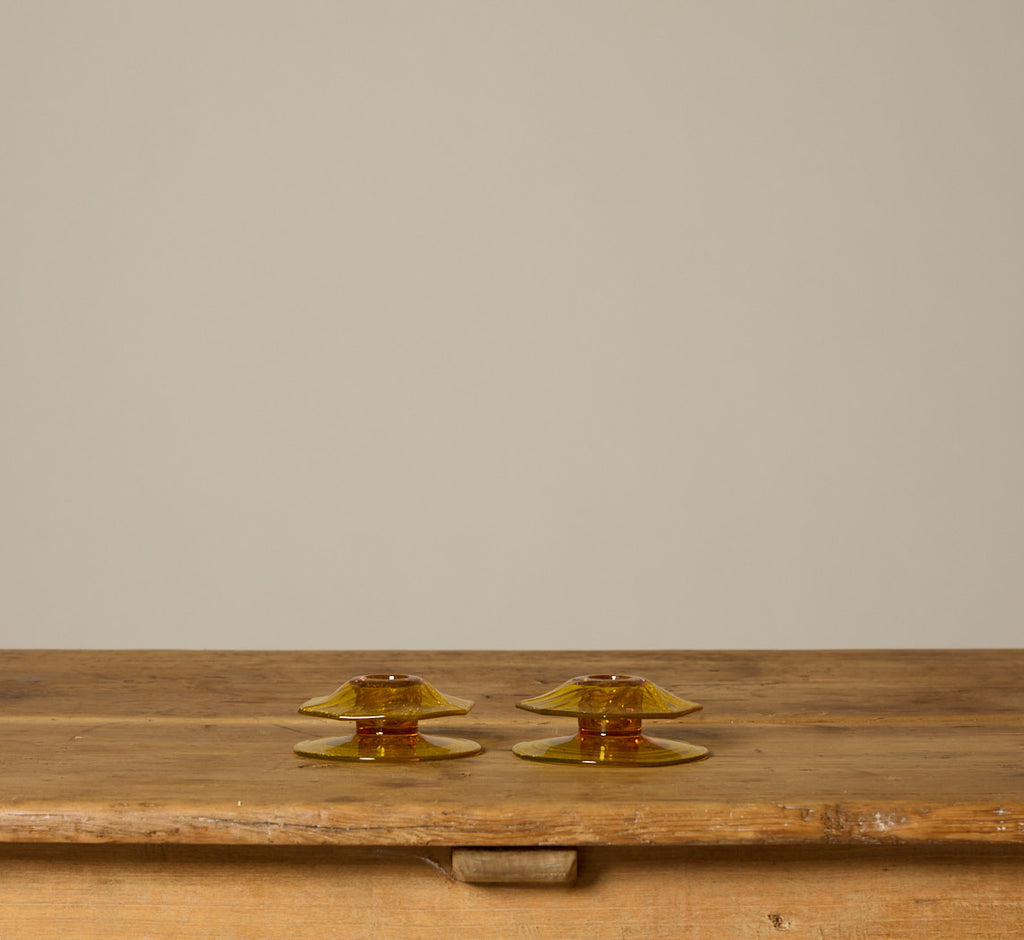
(609, 709)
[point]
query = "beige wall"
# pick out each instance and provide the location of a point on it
(515, 324)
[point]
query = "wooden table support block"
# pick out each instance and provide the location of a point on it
(514, 866)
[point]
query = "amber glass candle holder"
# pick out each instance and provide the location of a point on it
(386, 709)
(610, 710)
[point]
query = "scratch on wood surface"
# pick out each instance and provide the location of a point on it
(83, 732)
(835, 822)
(433, 863)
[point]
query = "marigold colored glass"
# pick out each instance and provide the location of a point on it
(610, 710)
(386, 709)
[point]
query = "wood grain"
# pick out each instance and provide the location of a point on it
(252, 893)
(832, 748)
(750, 686)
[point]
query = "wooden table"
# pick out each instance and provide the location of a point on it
(848, 795)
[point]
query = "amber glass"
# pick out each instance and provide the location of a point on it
(386, 709)
(610, 710)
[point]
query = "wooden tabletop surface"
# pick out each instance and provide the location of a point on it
(837, 747)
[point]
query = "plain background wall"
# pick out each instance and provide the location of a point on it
(517, 324)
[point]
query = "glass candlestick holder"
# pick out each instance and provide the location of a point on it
(610, 710)
(387, 709)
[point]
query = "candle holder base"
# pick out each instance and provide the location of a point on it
(374, 747)
(582, 749)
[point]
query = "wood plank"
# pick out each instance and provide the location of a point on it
(861, 746)
(830, 893)
(226, 783)
(752, 686)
